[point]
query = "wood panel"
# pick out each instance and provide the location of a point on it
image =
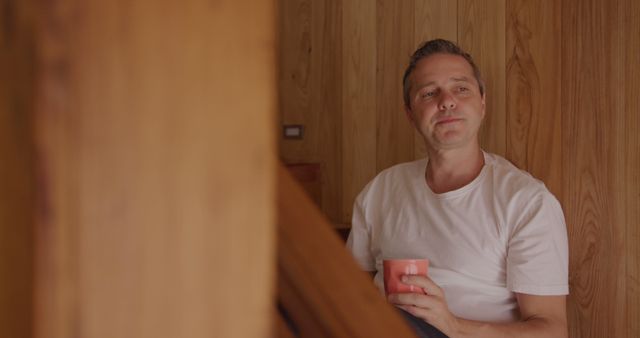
(394, 31)
(592, 110)
(326, 100)
(294, 79)
(481, 32)
(156, 214)
(310, 90)
(17, 172)
(629, 144)
(533, 127)
(433, 19)
(358, 101)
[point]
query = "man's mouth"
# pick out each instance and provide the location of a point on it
(448, 120)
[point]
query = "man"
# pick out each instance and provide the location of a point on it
(494, 235)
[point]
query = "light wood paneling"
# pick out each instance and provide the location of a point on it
(294, 79)
(310, 90)
(326, 99)
(628, 142)
(481, 32)
(592, 114)
(17, 172)
(157, 156)
(358, 101)
(433, 19)
(394, 137)
(533, 127)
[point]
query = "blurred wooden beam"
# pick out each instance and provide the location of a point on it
(155, 172)
(320, 285)
(17, 167)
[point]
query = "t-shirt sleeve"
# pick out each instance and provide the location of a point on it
(538, 253)
(359, 241)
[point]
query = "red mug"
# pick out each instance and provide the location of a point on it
(394, 269)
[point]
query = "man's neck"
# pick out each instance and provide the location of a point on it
(449, 170)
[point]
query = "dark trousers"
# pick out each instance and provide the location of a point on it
(420, 327)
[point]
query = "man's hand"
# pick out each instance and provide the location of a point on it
(542, 316)
(431, 307)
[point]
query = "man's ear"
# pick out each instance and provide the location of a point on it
(409, 113)
(484, 105)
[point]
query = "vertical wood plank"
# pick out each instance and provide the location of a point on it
(394, 30)
(433, 19)
(481, 32)
(326, 101)
(294, 84)
(310, 90)
(629, 208)
(17, 184)
(156, 216)
(534, 141)
(56, 310)
(358, 102)
(592, 106)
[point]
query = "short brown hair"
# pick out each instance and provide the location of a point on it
(437, 46)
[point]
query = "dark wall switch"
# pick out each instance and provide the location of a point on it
(293, 131)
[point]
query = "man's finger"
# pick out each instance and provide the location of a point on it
(413, 299)
(425, 283)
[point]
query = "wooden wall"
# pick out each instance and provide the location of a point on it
(562, 103)
(137, 176)
(340, 71)
(601, 163)
(17, 171)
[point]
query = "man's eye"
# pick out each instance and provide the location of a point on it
(429, 94)
(463, 89)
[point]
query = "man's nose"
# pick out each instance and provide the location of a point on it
(447, 101)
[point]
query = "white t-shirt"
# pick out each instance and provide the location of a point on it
(502, 233)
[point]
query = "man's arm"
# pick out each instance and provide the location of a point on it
(541, 316)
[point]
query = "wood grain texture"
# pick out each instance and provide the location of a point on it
(294, 79)
(481, 32)
(629, 144)
(320, 285)
(534, 141)
(326, 100)
(310, 90)
(592, 107)
(156, 214)
(433, 19)
(394, 36)
(358, 101)
(17, 172)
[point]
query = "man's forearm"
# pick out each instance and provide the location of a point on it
(530, 328)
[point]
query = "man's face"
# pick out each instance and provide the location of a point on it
(445, 102)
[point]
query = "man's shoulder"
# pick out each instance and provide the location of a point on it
(394, 176)
(403, 169)
(510, 178)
